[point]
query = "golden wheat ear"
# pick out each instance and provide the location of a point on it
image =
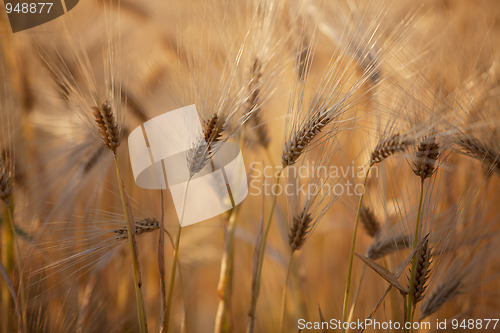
(388, 147)
(300, 228)
(423, 259)
(303, 137)
(426, 157)
(108, 126)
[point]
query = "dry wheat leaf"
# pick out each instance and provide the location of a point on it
(384, 273)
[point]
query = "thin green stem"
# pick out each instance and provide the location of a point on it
(283, 298)
(174, 262)
(409, 312)
(255, 291)
(351, 255)
(141, 311)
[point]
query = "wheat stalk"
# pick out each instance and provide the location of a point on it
(384, 149)
(426, 156)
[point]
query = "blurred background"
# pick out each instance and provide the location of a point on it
(71, 272)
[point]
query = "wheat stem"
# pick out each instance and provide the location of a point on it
(7, 243)
(351, 255)
(283, 298)
(409, 317)
(22, 296)
(260, 262)
(161, 269)
(356, 294)
(172, 278)
(224, 289)
(141, 311)
(174, 262)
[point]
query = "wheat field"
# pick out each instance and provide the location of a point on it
(370, 135)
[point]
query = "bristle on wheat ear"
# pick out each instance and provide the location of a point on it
(303, 138)
(107, 125)
(369, 221)
(387, 148)
(426, 157)
(423, 261)
(142, 226)
(301, 225)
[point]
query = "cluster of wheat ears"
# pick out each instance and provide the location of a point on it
(401, 100)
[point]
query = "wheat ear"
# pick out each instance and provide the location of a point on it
(303, 138)
(107, 126)
(384, 246)
(482, 152)
(199, 156)
(444, 293)
(301, 225)
(369, 221)
(142, 226)
(423, 261)
(387, 148)
(426, 156)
